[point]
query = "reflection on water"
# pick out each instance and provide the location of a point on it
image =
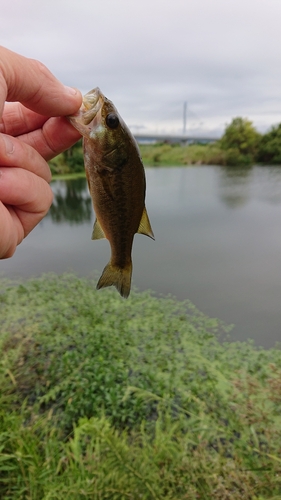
(237, 186)
(218, 243)
(72, 202)
(269, 185)
(234, 186)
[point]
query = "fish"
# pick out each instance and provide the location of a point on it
(117, 185)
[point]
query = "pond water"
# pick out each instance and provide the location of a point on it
(218, 243)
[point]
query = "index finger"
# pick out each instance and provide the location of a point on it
(31, 83)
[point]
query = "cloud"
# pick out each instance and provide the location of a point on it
(223, 58)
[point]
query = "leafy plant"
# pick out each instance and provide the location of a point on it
(270, 146)
(241, 140)
(105, 398)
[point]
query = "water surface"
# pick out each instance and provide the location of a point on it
(218, 243)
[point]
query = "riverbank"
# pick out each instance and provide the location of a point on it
(175, 154)
(109, 398)
(240, 145)
(158, 154)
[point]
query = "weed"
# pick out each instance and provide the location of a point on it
(105, 398)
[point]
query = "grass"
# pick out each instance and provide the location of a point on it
(68, 176)
(103, 398)
(68, 164)
(174, 154)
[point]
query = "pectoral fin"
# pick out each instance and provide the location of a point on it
(145, 227)
(97, 233)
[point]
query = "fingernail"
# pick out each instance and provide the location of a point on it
(8, 144)
(70, 90)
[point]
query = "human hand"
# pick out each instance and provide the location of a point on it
(33, 129)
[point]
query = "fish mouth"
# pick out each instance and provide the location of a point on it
(92, 103)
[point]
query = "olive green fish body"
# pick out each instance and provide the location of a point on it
(116, 182)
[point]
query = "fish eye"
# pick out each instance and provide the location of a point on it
(112, 120)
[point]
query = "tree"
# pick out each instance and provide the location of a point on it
(270, 146)
(241, 141)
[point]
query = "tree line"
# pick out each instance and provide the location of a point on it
(244, 145)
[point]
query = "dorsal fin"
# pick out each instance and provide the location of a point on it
(145, 226)
(97, 233)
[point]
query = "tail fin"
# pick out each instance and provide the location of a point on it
(117, 276)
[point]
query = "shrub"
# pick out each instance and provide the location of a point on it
(270, 146)
(241, 141)
(155, 406)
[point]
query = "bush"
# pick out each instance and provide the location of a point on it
(270, 146)
(241, 141)
(70, 161)
(73, 157)
(87, 348)
(58, 166)
(234, 158)
(154, 405)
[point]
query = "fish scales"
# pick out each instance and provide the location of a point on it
(116, 182)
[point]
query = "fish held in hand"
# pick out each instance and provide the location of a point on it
(116, 180)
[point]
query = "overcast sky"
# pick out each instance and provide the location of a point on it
(222, 56)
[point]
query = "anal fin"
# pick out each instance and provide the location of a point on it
(97, 233)
(145, 226)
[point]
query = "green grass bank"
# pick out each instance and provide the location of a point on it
(104, 398)
(161, 154)
(240, 145)
(71, 162)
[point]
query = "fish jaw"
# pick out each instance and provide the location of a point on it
(91, 98)
(87, 117)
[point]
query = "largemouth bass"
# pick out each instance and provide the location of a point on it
(116, 182)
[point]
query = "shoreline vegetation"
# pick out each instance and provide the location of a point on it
(240, 145)
(103, 398)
